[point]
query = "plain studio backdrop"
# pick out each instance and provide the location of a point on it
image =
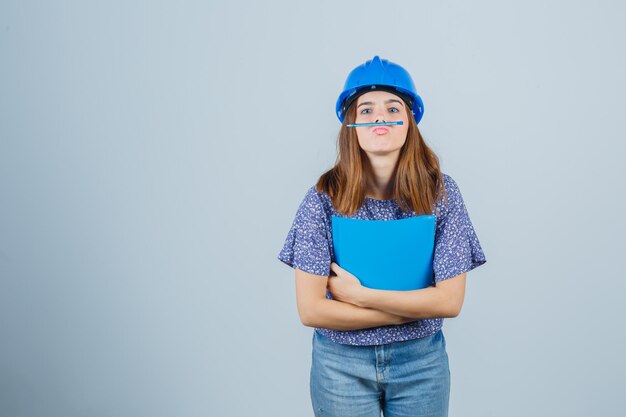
(153, 156)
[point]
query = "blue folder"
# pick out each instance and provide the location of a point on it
(386, 254)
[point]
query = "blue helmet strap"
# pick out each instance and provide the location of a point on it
(407, 98)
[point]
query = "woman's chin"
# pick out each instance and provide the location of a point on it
(382, 151)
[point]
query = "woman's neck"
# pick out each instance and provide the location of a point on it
(379, 185)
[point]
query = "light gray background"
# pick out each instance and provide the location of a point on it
(153, 155)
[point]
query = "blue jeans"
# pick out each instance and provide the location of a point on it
(410, 378)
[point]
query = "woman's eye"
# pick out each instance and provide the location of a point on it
(391, 109)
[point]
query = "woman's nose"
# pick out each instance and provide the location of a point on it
(380, 116)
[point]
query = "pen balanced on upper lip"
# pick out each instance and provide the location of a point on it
(375, 124)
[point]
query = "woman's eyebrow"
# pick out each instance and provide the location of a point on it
(391, 100)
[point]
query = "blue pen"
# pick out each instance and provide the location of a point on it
(376, 124)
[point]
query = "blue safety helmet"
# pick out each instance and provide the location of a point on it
(380, 74)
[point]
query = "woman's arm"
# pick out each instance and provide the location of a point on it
(443, 300)
(316, 310)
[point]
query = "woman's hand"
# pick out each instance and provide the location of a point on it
(347, 288)
(344, 286)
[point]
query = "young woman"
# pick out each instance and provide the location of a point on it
(380, 350)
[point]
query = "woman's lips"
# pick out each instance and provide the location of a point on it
(380, 130)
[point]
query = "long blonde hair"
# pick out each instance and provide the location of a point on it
(417, 182)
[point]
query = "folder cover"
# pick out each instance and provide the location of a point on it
(386, 254)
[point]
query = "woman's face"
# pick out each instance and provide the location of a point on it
(381, 106)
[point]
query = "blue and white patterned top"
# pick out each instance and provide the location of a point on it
(309, 247)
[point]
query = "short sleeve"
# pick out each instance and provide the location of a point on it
(307, 244)
(457, 248)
